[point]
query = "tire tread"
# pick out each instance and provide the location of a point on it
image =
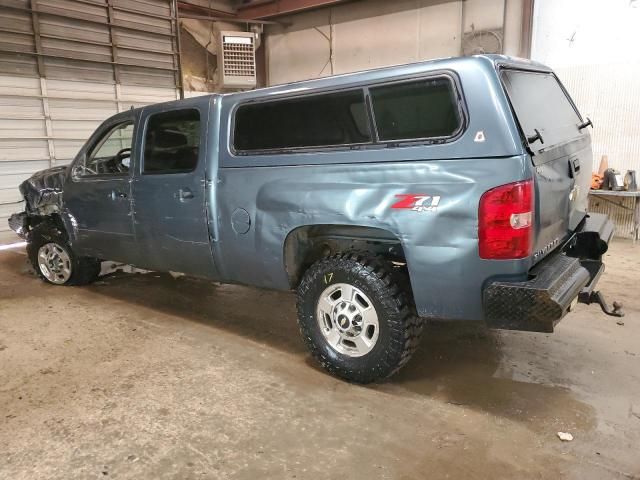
(389, 288)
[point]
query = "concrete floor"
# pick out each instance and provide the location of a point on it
(147, 376)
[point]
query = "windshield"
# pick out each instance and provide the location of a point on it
(540, 103)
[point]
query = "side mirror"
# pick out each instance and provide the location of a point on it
(78, 167)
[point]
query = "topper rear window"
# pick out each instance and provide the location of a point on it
(540, 103)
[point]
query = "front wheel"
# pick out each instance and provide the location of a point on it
(54, 261)
(356, 318)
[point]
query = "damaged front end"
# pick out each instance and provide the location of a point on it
(19, 223)
(42, 193)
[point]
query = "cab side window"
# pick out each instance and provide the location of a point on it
(172, 142)
(416, 110)
(315, 121)
(111, 155)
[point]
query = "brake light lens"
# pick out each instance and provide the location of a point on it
(505, 221)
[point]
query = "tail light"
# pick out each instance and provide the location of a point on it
(505, 221)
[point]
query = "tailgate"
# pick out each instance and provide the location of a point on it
(560, 152)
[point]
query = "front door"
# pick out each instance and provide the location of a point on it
(169, 187)
(97, 196)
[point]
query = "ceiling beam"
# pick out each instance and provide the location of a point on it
(273, 8)
(209, 18)
(186, 7)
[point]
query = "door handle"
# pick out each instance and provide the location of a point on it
(576, 164)
(574, 167)
(184, 194)
(115, 195)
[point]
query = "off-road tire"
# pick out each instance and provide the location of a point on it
(84, 270)
(400, 327)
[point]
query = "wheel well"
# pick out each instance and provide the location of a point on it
(53, 221)
(304, 245)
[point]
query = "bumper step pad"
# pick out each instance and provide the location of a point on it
(538, 304)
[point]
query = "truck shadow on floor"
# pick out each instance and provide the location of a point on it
(457, 363)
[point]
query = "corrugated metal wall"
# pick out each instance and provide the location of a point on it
(65, 66)
(609, 94)
(593, 47)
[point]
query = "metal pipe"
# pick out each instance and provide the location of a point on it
(462, 19)
(504, 24)
(527, 28)
(179, 46)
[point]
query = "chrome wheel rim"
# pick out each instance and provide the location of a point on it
(347, 319)
(54, 263)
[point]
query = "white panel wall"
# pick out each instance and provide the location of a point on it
(376, 33)
(593, 46)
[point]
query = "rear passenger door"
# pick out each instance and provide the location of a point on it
(170, 207)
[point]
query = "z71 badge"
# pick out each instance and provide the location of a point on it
(418, 202)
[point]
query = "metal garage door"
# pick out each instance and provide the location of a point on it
(66, 65)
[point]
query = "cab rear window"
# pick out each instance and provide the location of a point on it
(540, 103)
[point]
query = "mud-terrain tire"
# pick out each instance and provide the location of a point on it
(360, 355)
(47, 240)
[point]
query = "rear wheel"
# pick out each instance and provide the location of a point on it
(356, 318)
(54, 261)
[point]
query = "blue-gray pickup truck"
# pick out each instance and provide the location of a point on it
(451, 189)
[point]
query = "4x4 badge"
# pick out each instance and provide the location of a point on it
(418, 202)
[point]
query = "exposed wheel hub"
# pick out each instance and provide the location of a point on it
(55, 263)
(347, 319)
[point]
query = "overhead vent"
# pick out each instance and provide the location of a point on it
(237, 60)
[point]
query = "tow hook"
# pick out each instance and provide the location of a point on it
(597, 297)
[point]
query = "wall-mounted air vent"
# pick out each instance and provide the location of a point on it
(237, 60)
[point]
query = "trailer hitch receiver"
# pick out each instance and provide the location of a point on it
(597, 297)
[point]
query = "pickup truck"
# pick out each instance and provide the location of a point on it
(451, 189)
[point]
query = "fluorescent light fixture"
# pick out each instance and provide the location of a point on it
(11, 246)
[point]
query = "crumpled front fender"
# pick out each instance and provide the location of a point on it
(44, 189)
